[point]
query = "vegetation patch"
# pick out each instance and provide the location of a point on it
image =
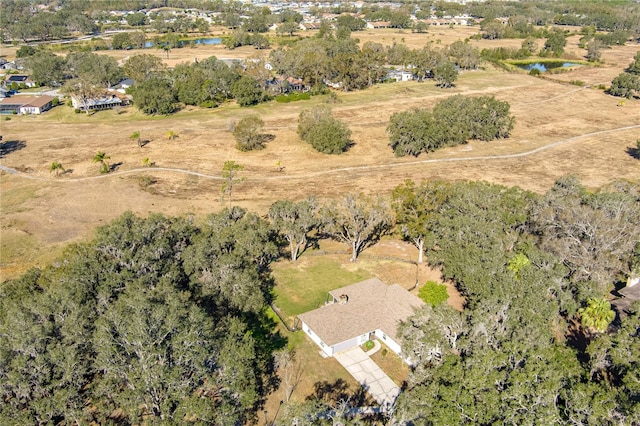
(368, 345)
(293, 97)
(433, 293)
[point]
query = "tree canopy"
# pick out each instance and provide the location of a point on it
(152, 319)
(510, 351)
(325, 133)
(453, 121)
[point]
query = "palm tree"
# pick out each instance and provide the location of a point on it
(146, 162)
(167, 48)
(102, 158)
(597, 315)
(136, 135)
(56, 167)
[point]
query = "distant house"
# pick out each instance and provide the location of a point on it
(7, 65)
(307, 26)
(358, 312)
(123, 85)
(4, 93)
(399, 75)
(377, 24)
(19, 79)
(93, 104)
(26, 104)
(282, 84)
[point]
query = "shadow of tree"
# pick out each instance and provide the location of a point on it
(333, 393)
(634, 152)
(330, 392)
(264, 138)
(8, 147)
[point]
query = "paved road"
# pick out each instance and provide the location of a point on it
(370, 376)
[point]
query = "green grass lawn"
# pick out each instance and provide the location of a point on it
(303, 286)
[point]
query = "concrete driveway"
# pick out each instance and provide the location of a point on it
(369, 375)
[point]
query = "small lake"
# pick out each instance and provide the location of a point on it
(195, 41)
(546, 66)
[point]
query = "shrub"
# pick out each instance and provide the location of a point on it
(324, 132)
(433, 293)
(247, 133)
(625, 85)
(368, 345)
(577, 83)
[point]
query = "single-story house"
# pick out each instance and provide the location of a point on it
(19, 79)
(103, 102)
(26, 104)
(10, 65)
(123, 85)
(281, 84)
(377, 24)
(399, 75)
(358, 312)
(307, 26)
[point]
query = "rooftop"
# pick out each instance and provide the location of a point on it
(370, 305)
(33, 101)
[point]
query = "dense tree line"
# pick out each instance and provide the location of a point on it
(20, 20)
(326, 58)
(506, 357)
(605, 17)
(452, 122)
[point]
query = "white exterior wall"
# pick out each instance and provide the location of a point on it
(347, 344)
(30, 110)
(325, 348)
(392, 344)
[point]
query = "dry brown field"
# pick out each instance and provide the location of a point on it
(560, 129)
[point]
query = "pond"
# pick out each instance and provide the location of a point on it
(195, 41)
(546, 66)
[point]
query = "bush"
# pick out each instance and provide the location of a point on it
(577, 83)
(433, 293)
(625, 85)
(368, 345)
(292, 97)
